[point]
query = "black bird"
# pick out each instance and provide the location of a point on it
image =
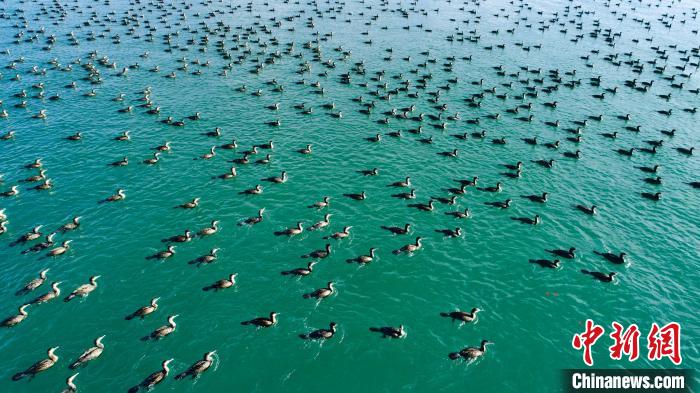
(358, 197)
(389, 331)
(588, 210)
(626, 152)
(614, 258)
(602, 277)
(647, 169)
(654, 197)
(545, 163)
(319, 254)
(503, 205)
(457, 232)
(537, 198)
(369, 172)
(568, 254)
(528, 220)
(262, 321)
(462, 316)
(321, 334)
(398, 230)
(547, 263)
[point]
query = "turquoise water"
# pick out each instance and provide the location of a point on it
(530, 313)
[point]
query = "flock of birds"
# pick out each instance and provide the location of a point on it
(255, 46)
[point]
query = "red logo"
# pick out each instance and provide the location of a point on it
(625, 343)
(665, 342)
(586, 340)
(662, 342)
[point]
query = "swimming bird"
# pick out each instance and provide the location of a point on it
(321, 334)
(167, 253)
(340, 235)
(568, 254)
(390, 331)
(210, 230)
(503, 205)
(153, 160)
(199, 367)
(145, 310)
(319, 254)
(364, 259)
(411, 247)
(291, 231)
(471, 353)
(302, 271)
(307, 150)
(230, 146)
(404, 183)
(602, 277)
(60, 250)
(406, 195)
(153, 379)
(647, 169)
(184, 238)
(685, 150)
(321, 293)
(497, 188)
(282, 178)
(452, 154)
(72, 225)
(460, 214)
(593, 210)
(16, 319)
(43, 245)
(84, 289)
(54, 293)
(90, 354)
(370, 172)
(75, 137)
(29, 236)
(358, 197)
(428, 207)
(191, 204)
(614, 258)
(254, 220)
(36, 178)
(164, 147)
(40, 366)
(462, 315)
(263, 321)
(123, 162)
(14, 190)
(257, 190)
(223, 283)
(230, 174)
(547, 263)
(321, 224)
(163, 331)
(545, 163)
(626, 152)
(120, 195)
(321, 204)
(124, 136)
(70, 385)
(537, 198)
(652, 196)
(34, 283)
(457, 232)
